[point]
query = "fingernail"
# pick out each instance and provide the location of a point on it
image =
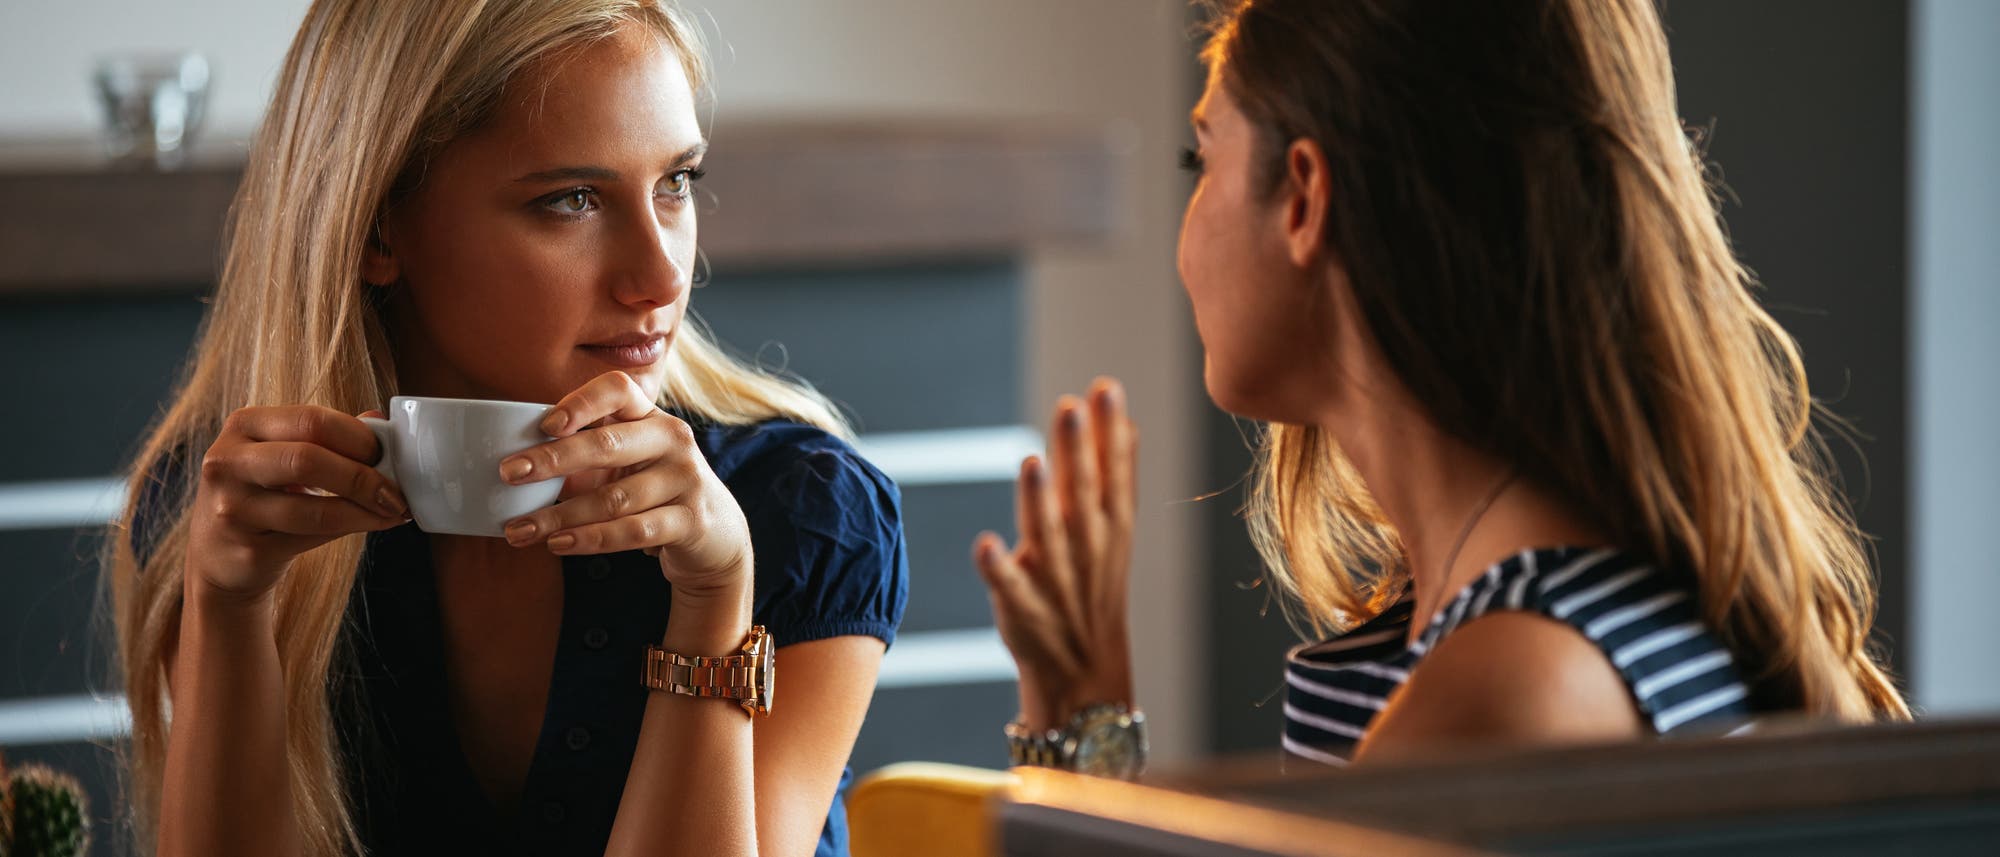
(556, 421)
(1114, 395)
(516, 469)
(520, 531)
(1072, 418)
(1031, 470)
(562, 542)
(388, 504)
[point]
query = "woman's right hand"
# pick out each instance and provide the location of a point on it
(277, 482)
(1059, 596)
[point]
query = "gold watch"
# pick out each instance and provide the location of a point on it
(746, 677)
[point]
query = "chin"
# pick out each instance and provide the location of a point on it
(1251, 395)
(1225, 394)
(654, 383)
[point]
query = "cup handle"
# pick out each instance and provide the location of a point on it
(385, 437)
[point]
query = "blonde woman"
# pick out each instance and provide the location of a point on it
(489, 200)
(1538, 468)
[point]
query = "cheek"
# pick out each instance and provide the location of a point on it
(498, 283)
(1213, 274)
(499, 304)
(1204, 261)
(1217, 274)
(1250, 309)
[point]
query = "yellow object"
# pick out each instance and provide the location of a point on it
(921, 809)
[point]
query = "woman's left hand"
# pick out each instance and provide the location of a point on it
(636, 481)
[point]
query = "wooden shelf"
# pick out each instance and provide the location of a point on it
(783, 195)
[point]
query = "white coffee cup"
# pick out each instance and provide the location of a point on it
(445, 455)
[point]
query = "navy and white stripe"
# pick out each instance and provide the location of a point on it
(1646, 621)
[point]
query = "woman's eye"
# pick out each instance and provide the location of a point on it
(1192, 162)
(571, 202)
(680, 183)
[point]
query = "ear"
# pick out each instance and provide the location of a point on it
(1307, 194)
(378, 263)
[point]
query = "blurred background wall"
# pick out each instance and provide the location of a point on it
(1856, 136)
(1954, 299)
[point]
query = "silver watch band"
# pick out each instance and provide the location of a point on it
(1105, 739)
(1039, 749)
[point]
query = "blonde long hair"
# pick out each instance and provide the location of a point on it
(1533, 244)
(370, 91)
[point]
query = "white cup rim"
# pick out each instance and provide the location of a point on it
(442, 400)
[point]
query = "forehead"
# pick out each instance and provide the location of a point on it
(1198, 117)
(616, 98)
(1216, 113)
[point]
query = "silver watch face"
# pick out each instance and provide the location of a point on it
(1110, 746)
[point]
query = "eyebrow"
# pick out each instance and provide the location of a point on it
(604, 174)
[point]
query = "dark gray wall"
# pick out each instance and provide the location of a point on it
(1808, 104)
(902, 349)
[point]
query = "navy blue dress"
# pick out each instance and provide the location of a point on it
(830, 561)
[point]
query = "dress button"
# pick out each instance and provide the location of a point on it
(578, 738)
(599, 568)
(554, 812)
(596, 639)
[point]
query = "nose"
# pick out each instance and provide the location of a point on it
(654, 261)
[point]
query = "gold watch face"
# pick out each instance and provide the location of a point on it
(1110, 746)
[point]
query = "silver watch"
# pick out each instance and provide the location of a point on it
(1103, 740)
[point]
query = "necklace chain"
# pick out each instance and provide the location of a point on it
(1466, 532)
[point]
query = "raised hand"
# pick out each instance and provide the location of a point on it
(636, 481)
(1059, 596)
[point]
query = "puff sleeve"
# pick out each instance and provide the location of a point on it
(826, 528)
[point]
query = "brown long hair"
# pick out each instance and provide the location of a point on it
(1532, 243)
(369, 92)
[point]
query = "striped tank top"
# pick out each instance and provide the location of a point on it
(1645, 620)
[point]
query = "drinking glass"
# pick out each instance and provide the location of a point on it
(153, 105)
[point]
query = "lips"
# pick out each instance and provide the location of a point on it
(629, 351)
